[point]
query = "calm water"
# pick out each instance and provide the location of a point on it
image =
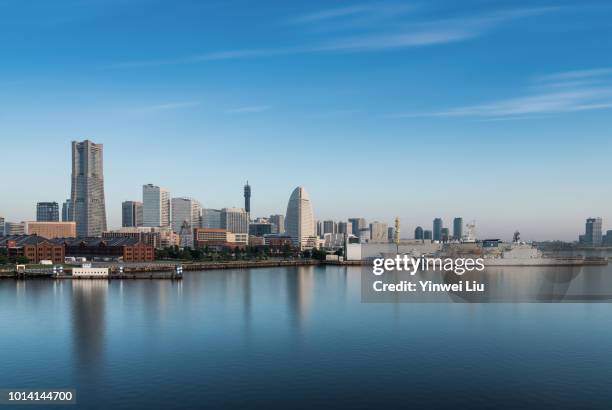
(297, 338)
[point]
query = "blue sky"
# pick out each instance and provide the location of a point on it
(498, 111)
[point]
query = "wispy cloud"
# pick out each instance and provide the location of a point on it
(578, 75)
(166, 106)
(335, 13)
(249, 109)
(382, 38)
(547, 99)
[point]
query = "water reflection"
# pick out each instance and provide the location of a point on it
(88, 326)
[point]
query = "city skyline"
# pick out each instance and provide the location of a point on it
(498, 112)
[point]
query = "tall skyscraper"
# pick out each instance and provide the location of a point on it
(247, 198)
(156, 208)
(593, 231)
(47, 212)
(279, 221)
(458, 228)
(87, 193)
(437, 229)
(378, 232)
(185, 210)
(357, 224)
(211, 218)
(67, 211)
(299, 222)
(131, 214)
(235, 220)
(1, 226)
(418, 233)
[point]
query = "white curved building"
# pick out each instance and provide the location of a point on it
(299, 221)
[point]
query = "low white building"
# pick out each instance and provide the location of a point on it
(89, 272)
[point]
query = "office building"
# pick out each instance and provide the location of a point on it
(457, 229)
(607, 239)
(357, 224)
(51, 230)
(279, 222)
(445, 235)
(235, 220)
(329, 227)
(364, 235)
(1, 226)
(418, 233)
(131, 214)
(185, 210)
(87, 193)
(345, 228)
(378, 232)
(299, 221)
(218, 239)
(593, 231)
(47, 212)
(437, 229)
(14, 228)
(260, 228)
(390, 234)
(427, 235)
(211, 218)
(156, 206)
(67, 211)
(247, 198)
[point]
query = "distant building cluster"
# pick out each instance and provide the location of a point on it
(593, 233)
(157, 220)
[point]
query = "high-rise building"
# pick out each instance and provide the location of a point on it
(357, 224)
(445, 237)
(279, 221)
(131, 214)
(427, 236)
(607, 239)
(378, 232)
(458, 228)
(344, 227)
(319, 228)
(299, 222)
(1, 226)
(418, 233)
(47, 212)
(390, 234)
(235, 220)
(437, 229)
(67, 211)
(247, 198)
(329, 227)
(156, 207)
(87, 193)
(211, 218)
(593, 231)
(185, 210)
